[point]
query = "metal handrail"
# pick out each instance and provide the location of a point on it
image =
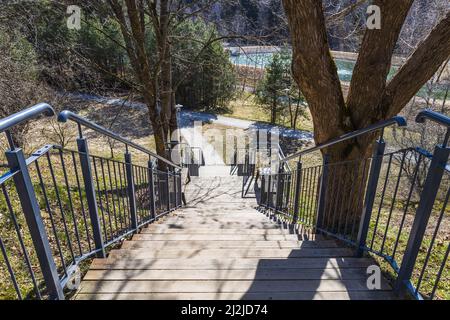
(24, 115)
(400, 121)
(433, 116)
(69, 115)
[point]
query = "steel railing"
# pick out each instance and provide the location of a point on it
(392, 205)
(245, 163)
(61, 207)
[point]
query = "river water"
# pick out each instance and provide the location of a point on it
(345, 69)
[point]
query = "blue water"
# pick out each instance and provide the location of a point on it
(345, 69)
(261, 60)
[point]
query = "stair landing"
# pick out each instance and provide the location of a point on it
(221, 247)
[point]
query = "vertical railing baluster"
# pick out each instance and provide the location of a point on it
(371, 192)
(280, 189)
(131, 190)
(175, 197)
(263, 190)
(424, 210)
(32, 213)
(168, 189)
(298, 179)
(322, 193)
(91, 198)
(179, 188)
(151, 184)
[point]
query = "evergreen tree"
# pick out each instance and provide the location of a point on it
(274, 88)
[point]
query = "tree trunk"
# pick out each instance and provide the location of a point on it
(371, 99)
(273, 112)
(166, 87)
(173, 124)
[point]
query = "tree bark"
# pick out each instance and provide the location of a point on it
(314, 69)
(131, 18)
(164, 51)
(374, 63)
(273, 112)
(371, 99)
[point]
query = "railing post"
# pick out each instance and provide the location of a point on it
(91, 198)
(180, 190)
(263, 190)
(268, 200)
(371, 191)
(168, 189)
(427, 200)
(131, 191)
(280, 187)
(175, 186)
(298, 186)
(151, 183)
(32, 213)
(322, 192)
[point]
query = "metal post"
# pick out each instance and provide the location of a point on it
(32, 213)
(168, 189)
(371, 191)
(427, 199)
(180, 191)
(263, 189)
(298, 187)
(151, 183)
(279, 192)
(91, 198)
(269, 202)
(175, 184)
(131, 191)
(322, 193)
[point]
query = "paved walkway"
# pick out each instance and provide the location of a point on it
(187, 118)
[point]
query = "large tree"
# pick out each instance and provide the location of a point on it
(155, 20)
(371, 97)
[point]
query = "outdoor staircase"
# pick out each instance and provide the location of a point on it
(221, 247)
(225, 243)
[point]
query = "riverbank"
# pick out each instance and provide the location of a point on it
(397, 60)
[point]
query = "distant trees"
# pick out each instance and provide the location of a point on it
(277, 92)
(204, 75)
(154, 48)
(271, 91)
(19, 73)
(150, 30)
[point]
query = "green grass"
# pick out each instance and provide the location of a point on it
(436, 257)
(245, 107)
(62, 218)
(386, 230)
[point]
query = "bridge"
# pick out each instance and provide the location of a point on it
(82, 226)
